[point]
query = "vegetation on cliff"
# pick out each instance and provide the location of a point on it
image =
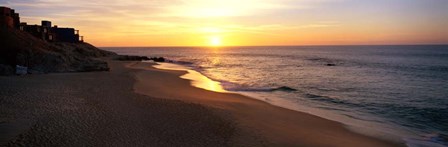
(20, 48)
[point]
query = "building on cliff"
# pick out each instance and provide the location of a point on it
(10, 19)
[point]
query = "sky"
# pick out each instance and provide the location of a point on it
(244, 22)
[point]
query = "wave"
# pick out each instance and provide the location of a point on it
(329, 99)
(433, 140)
(233, 86)
(267, 89)
(180, 62)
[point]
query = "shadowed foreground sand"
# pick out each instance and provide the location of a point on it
(102, 109)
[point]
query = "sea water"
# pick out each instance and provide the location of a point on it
(385, 91)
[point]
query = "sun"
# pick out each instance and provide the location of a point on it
(215, 41)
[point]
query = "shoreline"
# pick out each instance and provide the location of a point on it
(135, 104)
(382, 131)
(255, 114)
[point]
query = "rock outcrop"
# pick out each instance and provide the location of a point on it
(131, 58)
(20, 48)
(157, 59)
(138, 58)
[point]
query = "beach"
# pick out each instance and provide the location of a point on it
(395, 92)
(135, 104)
(224, 73)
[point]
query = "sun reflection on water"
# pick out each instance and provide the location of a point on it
(197, 79)
(201, 81)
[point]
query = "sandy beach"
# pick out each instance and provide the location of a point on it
(135, 104)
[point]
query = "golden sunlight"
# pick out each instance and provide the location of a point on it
(197, 79)
(201, 81)
(215, 41)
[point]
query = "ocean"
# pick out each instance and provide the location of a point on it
(385, 91)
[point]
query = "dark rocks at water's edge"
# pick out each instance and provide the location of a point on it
(39, 56)
(157, 59)
(130, 58)
(138, 58)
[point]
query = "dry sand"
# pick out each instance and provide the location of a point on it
(102, 109)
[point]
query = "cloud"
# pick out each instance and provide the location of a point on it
(127, 11)
(153, 13)
(162, 17)
(228, 8)
(163, 8)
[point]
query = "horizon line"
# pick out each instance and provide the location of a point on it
(284, 45)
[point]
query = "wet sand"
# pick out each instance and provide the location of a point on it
(137, 105)
(277, 126)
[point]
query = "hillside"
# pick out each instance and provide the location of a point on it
(20, 48)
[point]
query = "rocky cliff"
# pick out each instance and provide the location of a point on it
(21, 48)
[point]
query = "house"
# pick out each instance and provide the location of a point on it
(6, 19)
(65, 34)
(45, 31)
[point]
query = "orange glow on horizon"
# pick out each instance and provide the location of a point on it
(244, 23)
